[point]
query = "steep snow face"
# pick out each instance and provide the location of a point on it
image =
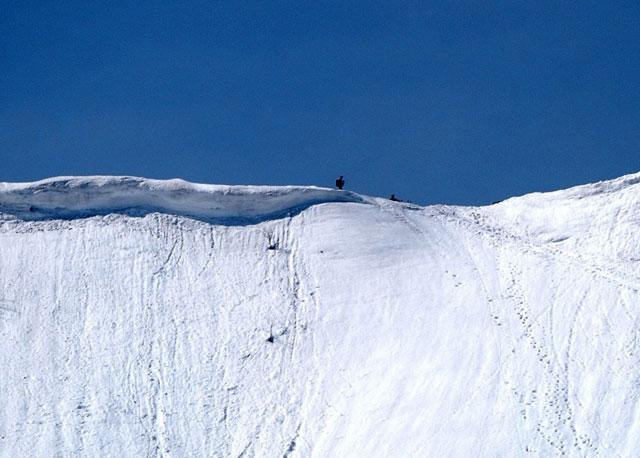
(223, 321)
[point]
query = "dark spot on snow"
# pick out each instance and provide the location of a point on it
(270, 339)
(291, 448)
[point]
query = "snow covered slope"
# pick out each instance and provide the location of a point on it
(150, 318)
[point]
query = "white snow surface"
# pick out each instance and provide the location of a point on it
(78, 197)
(162, 318)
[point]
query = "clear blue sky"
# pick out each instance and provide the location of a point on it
(439, 102)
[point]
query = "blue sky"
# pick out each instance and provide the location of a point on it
(438, 102)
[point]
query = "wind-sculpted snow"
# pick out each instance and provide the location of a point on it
(367, 328)
(600, 218)
(81, 197)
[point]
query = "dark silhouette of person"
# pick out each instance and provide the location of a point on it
(394, 198)
(340, 182)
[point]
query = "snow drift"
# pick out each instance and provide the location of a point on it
(153, 318)
(81, 197)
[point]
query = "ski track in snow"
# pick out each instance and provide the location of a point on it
(249, 321)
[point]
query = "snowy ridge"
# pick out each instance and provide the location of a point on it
(79, 197)
(569, 215)
(585, 190)
(360, 327)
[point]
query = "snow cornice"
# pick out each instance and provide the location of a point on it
(81, 197)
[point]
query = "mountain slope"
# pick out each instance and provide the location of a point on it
(148, 318)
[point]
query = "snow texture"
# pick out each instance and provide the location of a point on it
(161, 318)
(81, 197)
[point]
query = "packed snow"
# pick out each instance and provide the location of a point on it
(162, 318)
(81, 197)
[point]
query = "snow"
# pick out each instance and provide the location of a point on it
(81, 197)
(150, 318)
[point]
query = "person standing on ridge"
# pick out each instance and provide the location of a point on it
(340, 182)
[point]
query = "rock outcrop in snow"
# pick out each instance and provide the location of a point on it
(148, 318)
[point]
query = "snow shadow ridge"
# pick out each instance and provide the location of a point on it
(68, 198)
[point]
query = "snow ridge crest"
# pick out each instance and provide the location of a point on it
(82, 197)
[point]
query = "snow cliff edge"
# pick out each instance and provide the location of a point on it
(81, 197)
